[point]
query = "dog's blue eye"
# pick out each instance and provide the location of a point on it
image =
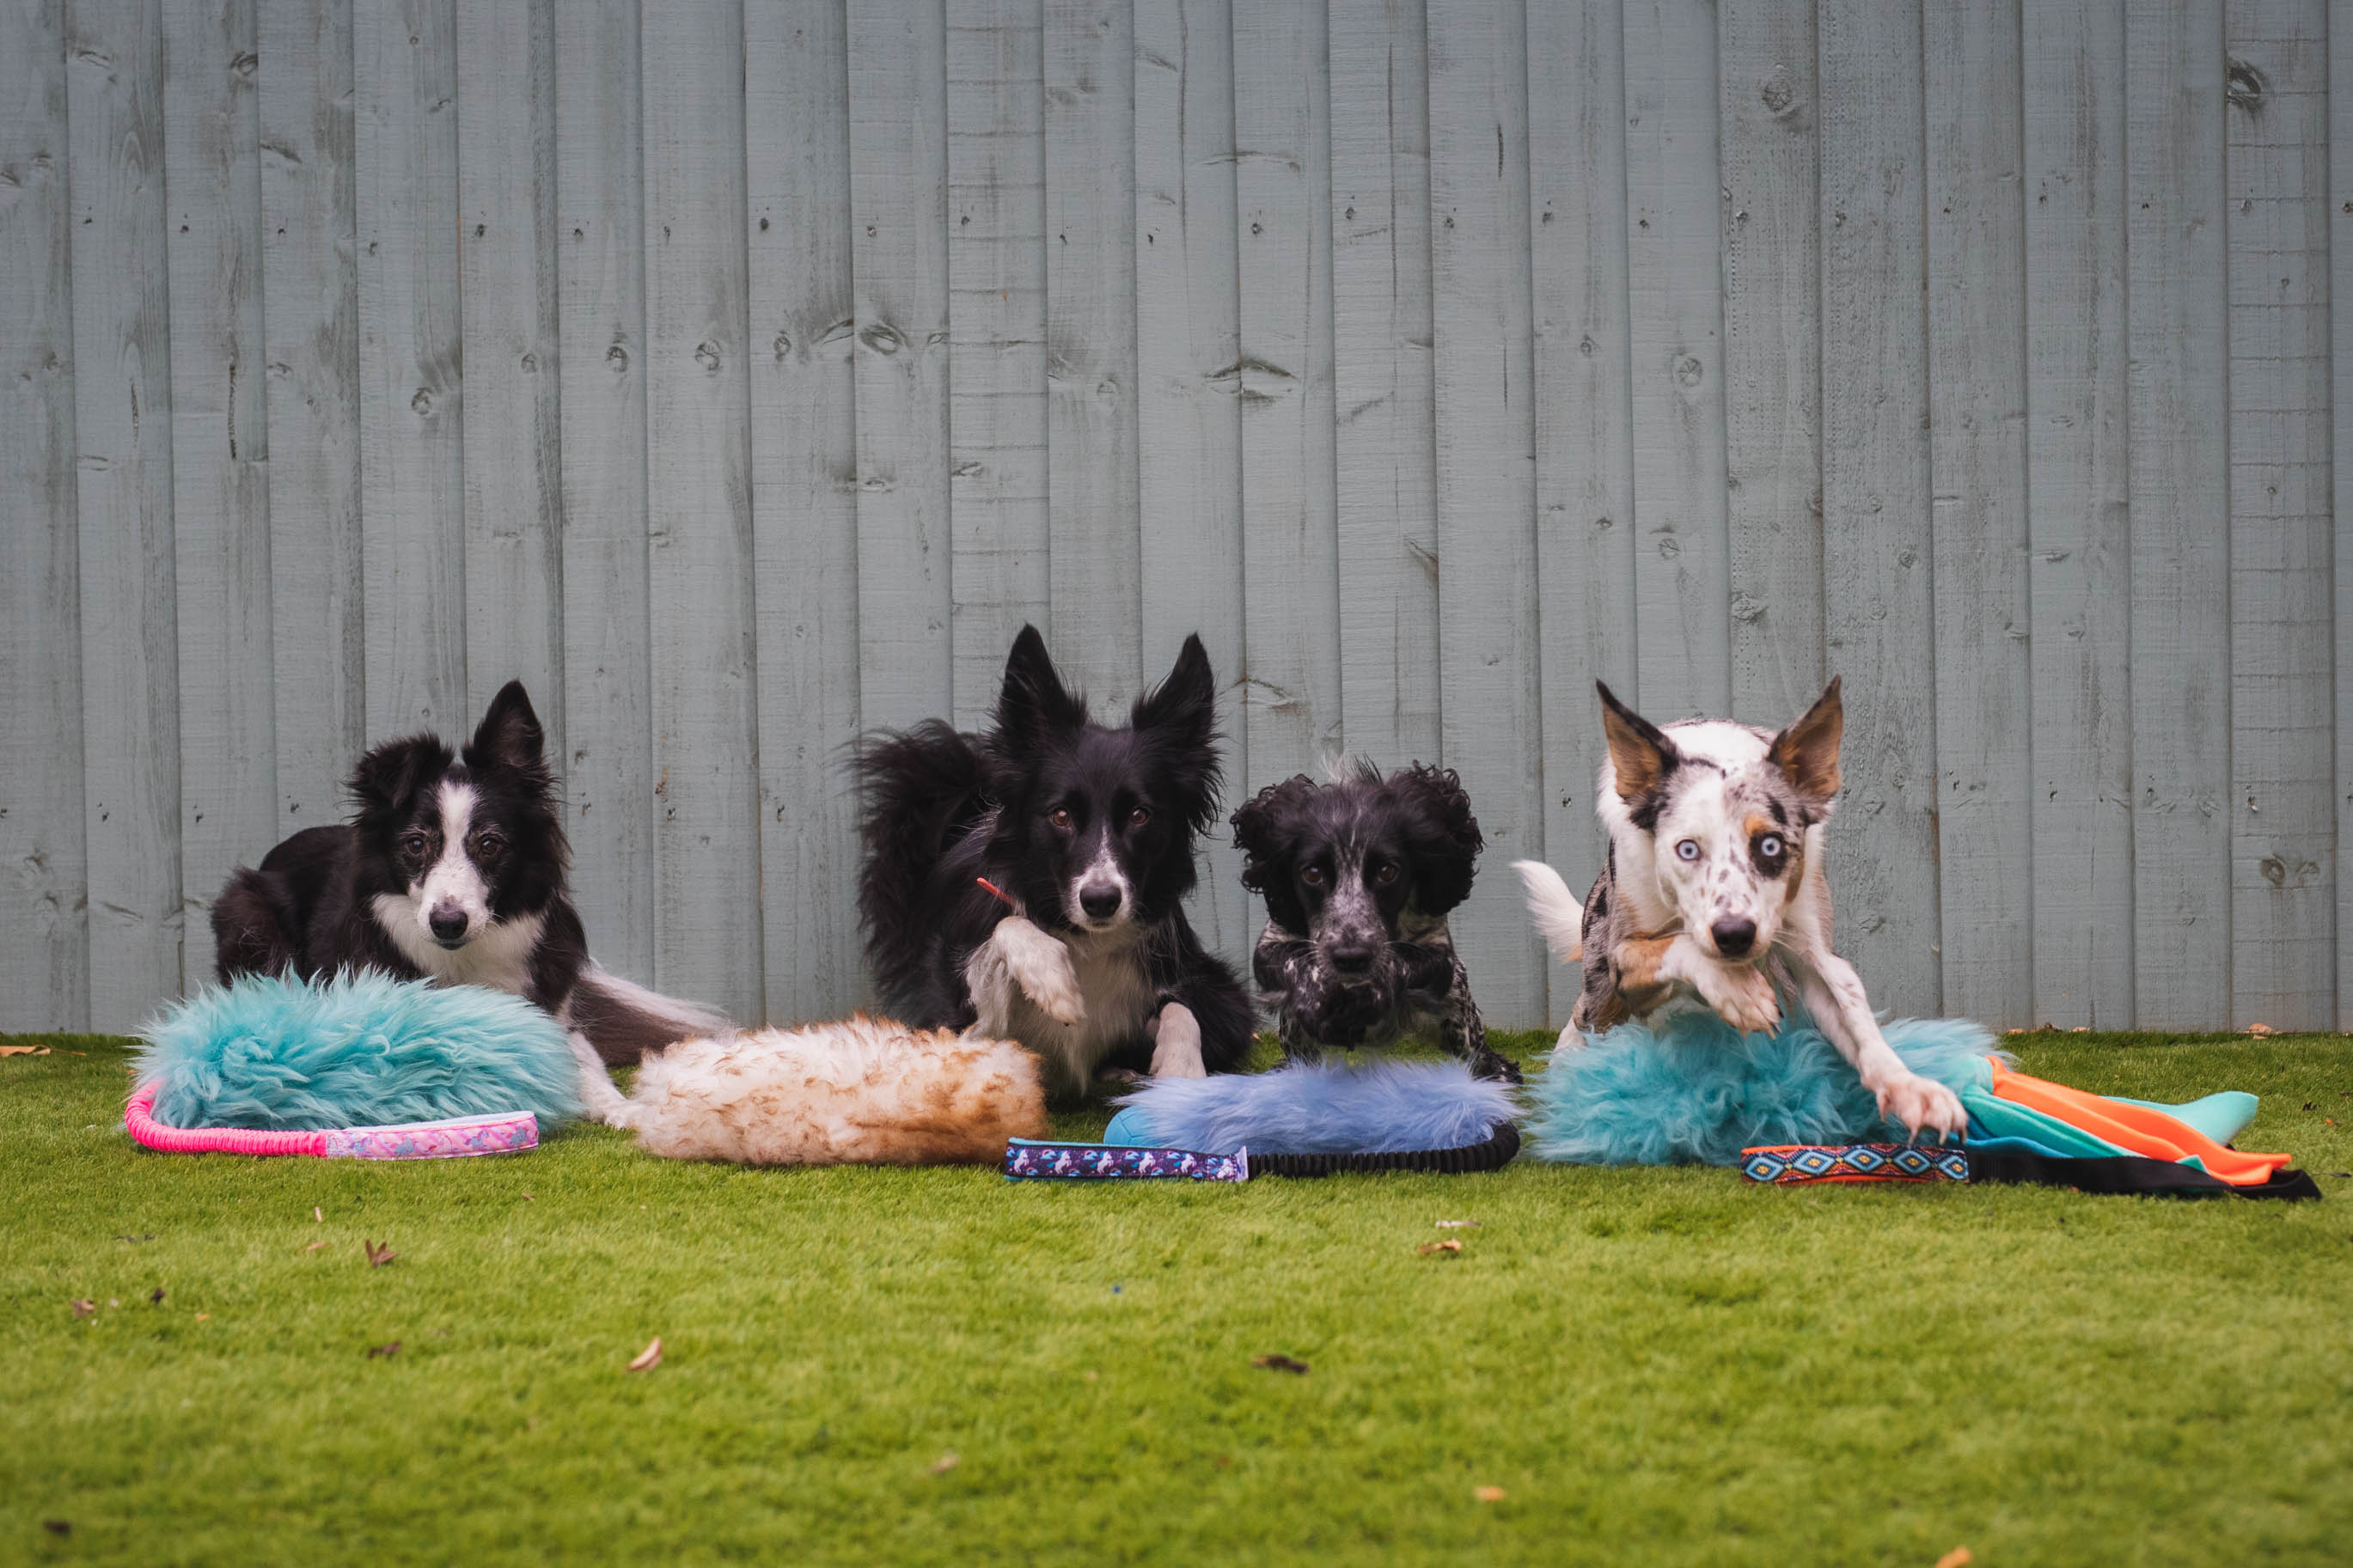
(1688, 850)
(1769, 847)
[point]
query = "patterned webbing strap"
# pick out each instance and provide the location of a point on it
(1035, 1160)
(1791, 1164)
(503, 1132)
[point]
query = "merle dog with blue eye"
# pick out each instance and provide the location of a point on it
(1358, 877)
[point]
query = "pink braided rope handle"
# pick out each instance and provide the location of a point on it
(496, 1134)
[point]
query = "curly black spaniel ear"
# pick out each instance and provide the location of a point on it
(1267, 829)
(1443, 833)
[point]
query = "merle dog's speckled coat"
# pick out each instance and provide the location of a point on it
(1358, 877)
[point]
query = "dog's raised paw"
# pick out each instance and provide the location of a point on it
(1052, 983)
(1922, 1105)
(1742, 997)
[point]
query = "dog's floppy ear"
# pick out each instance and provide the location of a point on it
(1033, 703)
(1266, 830)
(388, 777)
(1446, 840)
(509, 736)
(1641, 755)
(1807, 753)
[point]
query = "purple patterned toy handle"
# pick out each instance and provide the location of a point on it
(1033, 1160)
(503, 1132)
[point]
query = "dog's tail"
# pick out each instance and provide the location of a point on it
(627, 1023)
(917, 789)
(1558, 915)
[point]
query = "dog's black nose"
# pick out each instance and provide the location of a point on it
(1352, 957)
(1101, 903)
(449, 924)
(1734, 938)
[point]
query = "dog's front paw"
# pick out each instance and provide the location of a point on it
(1742, 996)
(1922, 1105)
(1041, 967)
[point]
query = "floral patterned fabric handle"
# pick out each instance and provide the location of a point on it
(504, 1133)
(1034, 1160)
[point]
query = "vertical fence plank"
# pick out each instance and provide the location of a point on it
(1674, 244)
(996, 330)
(411, 440)
(897, 192)
(309, 292)
(2080, 557)
(2180, 558)
(1383, 456)
(1878, 609)
(514, 488)
(1482, 311)
(1769, 114)
(122, 425)
(2283, 820)
(805, 497)
(1584, 416)
(1188, 390)
(2340, 302)
(44, 915)
(1096, 550)
(1976, 405)
(220, 453)
(601, 382)
(1290, 497)
(707, 939)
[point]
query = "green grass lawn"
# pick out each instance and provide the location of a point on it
(1654, 1366)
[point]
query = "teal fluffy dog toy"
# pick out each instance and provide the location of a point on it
(360, 1066)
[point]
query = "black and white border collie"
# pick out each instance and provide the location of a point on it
(1029, 882)
(1714, 895)
(1358, 876)
(453, 871)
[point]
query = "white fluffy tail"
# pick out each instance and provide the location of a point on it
(1558, 915)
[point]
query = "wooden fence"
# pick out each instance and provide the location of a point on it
(741, 373)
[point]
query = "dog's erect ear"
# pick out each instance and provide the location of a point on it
(1187, 702)
(1807, 753)
(388, 777)
(1446, 840)
(1033, 702)
(1266, 830)
(509, 736)
(1641, 755)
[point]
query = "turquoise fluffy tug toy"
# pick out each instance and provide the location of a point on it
(360, 1066)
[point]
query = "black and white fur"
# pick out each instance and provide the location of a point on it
(1714, 895)
(1087, 832)
(1358, 876)
(454, 870)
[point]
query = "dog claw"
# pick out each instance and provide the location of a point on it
(1922, 1105)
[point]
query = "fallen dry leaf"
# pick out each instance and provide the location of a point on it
(391, 1349)
(1458, 1224)
(946, 1462)
(83, 1309)
(1488, 1494)
(378, 1256)
(316, 1215)
(204, 1317)
(24, 1050)
(114, 1301)
(1280, 1364)
(1449, 1245)
(156, 1295)
(315, 1245)
(647, 1358)
(529, 1199)
(1958, 1557)
(2260, 1029)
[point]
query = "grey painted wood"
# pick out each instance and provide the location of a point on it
(1289, 489)
(607, 763)
(123, 430)
(2178, 395)
(804, 511)
(2080, 554)
(1770, 115)
(707, 934)
(1384, 398)
(1876, 564)
(1189, 392)
(1977, 407)
(899, 182)
(413, 530)
(2340, 298)
(1585, 422)
(1095, 538)
(513, 489)
(1675, 243)
(997, 327)
(220, 455)
(44, 916)
(2283, 742)
(310, 289)
(1483, 312)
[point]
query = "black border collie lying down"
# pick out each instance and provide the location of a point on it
(1358, 876)
(453, 871)
(1028, 881)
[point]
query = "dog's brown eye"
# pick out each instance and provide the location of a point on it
(1138, 817)
(1312, 876)
(414, 844)
(1059, 817)
(1386, 876)
(488, 846)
